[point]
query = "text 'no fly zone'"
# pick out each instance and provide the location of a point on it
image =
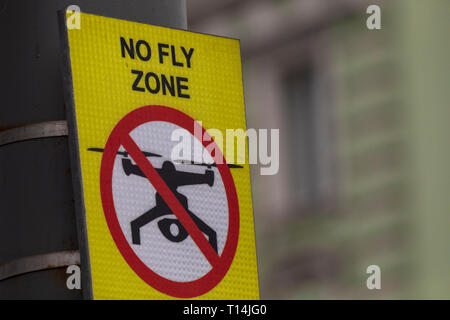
(178, 56)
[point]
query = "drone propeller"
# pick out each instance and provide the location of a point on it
(125, 154)
(209, 165)
(150, 154)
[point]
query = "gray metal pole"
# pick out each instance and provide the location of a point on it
(37, 223)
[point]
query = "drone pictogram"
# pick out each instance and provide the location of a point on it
(173, 178)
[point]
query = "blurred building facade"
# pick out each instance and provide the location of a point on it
(359, 181)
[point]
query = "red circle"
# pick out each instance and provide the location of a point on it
(173, 288)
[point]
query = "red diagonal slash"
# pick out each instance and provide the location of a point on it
(175, 206)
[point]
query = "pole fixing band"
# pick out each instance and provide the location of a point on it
(34, 131)
(39, 262)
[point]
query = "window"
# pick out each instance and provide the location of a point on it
(310, 146)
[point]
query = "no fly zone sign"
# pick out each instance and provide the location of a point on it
(152, 226)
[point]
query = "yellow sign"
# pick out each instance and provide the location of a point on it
(167, 215)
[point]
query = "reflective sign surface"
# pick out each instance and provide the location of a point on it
(159, 226)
